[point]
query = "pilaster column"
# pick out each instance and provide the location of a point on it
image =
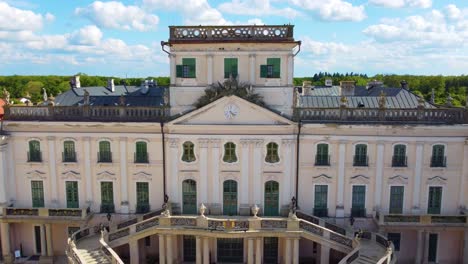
(258, 251)
(6, 247)
(417, 178)
(324, 254)
(461, 196)
(257, 166)
(341, 176)
(87, 168)
(174, 175)
(252, 76)
(162, 251)
(203, 144)
(420, 246)
(169, 249)
(134, 254)
(206, 250)
(244, 194)
(288, 176)
(250, 250)
(124, 205)
(379, 175)
(43, 241)
(11, 180)
(465, 247)
(425, 247)
(290, 69)
(215, 144)
(3, 174)
(287, 255)
(50, 249)
(209, 62)
(296, 251)
(172, 59)
(53, 172)
(198, 252)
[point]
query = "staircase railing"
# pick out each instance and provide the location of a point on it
(110, 253)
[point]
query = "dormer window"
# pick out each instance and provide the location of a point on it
(187, 69)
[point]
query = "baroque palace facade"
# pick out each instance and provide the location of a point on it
(329, 174)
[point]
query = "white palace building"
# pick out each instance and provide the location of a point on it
(267, 173)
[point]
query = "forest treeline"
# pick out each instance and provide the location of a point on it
(32, 86)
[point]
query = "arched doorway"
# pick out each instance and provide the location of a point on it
(189, 197)
(271, 198)
(230, 197)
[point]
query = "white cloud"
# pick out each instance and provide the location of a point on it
(256, 8)
(402, 3)
(12, 18)
(453, 12)
(333, 10)
(88, 35)
(118, 16)
(322, 48)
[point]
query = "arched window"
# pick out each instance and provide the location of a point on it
(322, 158)
(189, 153)
(230, 197)
(141, 153)
(271, 198)
(105, 154)
(399, 156)
(69, 154)
(272, 153)
(230, 152)
(360, 155)
(438, 158)
(34, 153)
(189, 197)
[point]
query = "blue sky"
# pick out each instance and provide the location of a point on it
(122, 38)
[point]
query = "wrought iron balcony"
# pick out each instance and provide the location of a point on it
(105, 157)
(322, 160)
(438, 161)
(361, 161)
(69, 156)
(34, 156)
(141, 157)
(399, 161)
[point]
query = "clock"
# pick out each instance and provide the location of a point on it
(231, 111)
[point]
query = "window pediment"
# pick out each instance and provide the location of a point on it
(106, 175)
(36, 174)
(322, 178)
(359, 179)
(437, 180)
(398, 179)
(71, 175)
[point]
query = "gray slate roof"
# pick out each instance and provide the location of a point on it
(328, 97)
(100, 95)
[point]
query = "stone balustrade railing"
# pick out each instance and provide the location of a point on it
(80, 213)
(384, 115)
(402, 219)
(87, 113)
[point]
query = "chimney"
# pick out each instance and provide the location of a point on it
(404, 85)
(306, 87)
(75, 82)
(373, 84)
(347, 88)
(144, 87)
(329, 82)
(110, 85)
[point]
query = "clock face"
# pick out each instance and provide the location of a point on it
(231, 111)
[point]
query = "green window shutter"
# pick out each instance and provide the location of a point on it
(230, 67)
(230, 152)
(179, 70)
(359, 197)
(432, 252)
(191, 62)
(396, 199)
(141, 155)
(72, 194)
(400, 150)
(276, 62)
(107, 193)
(263, 71)
(34, 151)
(435, 200)
(438, 151)
(142, 193)
(69, 154)
(321, 193)
(361, 150)
(37, 193)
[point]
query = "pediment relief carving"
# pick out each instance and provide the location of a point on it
(436, 180)
(36, 174)
(106, 175)
(359, 179)
(272, 176)
(188, 175)
(230, 175)
(322, 178)
(141, 175)
(398, 179)
(71, 175)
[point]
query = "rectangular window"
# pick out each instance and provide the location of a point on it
(438, 158)
(230, 152)
(190, 249)
(435, 200)
(360, 155)
(189, 154)
(320, 201)
(395, 238)
(187, 69)
(72, 194)
(270, 250)
(272, 69)
(107, 197)
(141, 154)
(34, 154)
(142, 191)
(104, 154)
(37, 192)
(396, 199)
(37, 238)
(358, 207)
(69, 154)
(432, 253)
(399, 156)
(230, 67)
(272, 153)
(322, 158)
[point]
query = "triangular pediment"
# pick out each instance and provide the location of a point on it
(232, 110)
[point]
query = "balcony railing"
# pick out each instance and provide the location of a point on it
(433, 210)
(69, 156)
(358, 212)
(105, 157)
(79, 213)
(87, 113)
(399, 161)
(34, 156)
(322, 160)
(438, 161)
(399, 219)
(360, 161)
(321, 212)
(141, 157)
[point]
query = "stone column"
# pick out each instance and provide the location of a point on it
(172, 59)
(258, 251)
(206, 250)
(341, 179)
(53, 172)
(417, 178)
(198, 250)
(43, 241)
(215, 172)
(134, 252)
(6, 247)
(296, 251)
(50, 249)
(250, 250)
(3, 175)
(461, 196)
(124, 204)
(379, 175)
(174, 175)
(257, 173)
(252, 69)
(169, 249)
(287, 255)
(290, 69)
(244, 183)
(203, 144)
(420, 246)
(162, 251)
(209, 76)
(324, 254)
(87, 168)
